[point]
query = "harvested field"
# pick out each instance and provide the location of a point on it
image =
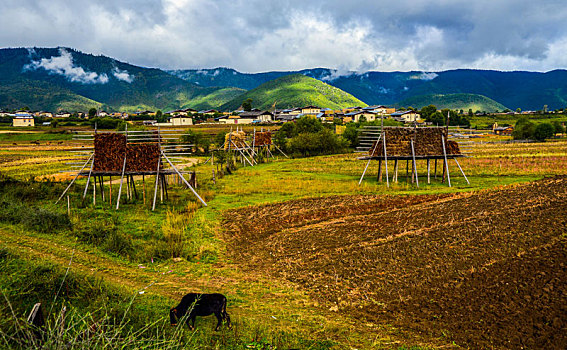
(485, 269)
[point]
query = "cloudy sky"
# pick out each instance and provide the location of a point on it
(261, 35)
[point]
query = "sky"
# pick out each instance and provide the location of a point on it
(266, 35)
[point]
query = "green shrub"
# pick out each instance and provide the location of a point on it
(10, 211)
(120, 243)
(45, 220)
(313, 144)
(524, 129)
(544, 131)
(35, 218)
(96, 231)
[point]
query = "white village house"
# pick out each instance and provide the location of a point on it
(23, 119)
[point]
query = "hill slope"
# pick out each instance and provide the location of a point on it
(454, 101)
(526, 90)
(294, 91)
(64, 78)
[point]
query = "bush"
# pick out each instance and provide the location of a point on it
(34, 218)
(351, 134)
(106, 123)
(313, 144)
(524, 129)
(45, 220)
(30, 190)
(543, 131)
(559, 129)
(119, 243)
(96, 232)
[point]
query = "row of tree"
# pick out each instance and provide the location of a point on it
(309, 137)
(528, 130)
(432, 115)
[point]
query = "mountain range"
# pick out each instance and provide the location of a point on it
(64, 78)
(525, 90)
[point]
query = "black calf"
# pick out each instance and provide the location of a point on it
(195, 304)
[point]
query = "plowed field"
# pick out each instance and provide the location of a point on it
(485, 269)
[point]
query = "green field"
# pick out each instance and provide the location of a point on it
(122, 271)
(486, 122)
(454, 101)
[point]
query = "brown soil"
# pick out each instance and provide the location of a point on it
(485, 270)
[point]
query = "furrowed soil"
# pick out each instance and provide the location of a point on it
(484, 270)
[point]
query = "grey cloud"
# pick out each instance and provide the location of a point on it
(256, 35)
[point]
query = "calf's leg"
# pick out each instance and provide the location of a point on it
(219, 319)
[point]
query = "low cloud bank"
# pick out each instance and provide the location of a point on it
(63, 65)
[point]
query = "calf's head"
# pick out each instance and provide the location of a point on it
(173, 316)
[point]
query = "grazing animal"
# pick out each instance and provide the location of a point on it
(196, 304)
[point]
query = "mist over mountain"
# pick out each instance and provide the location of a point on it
(525, 90)
(64, 78)
(64, 74)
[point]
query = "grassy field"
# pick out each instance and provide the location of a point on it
(486, 122)
(124, 260)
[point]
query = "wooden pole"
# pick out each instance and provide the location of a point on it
(461, 169)
(369, 159)
(254, 143)
(133, 186)
(280, 151)
(110, 191)
(157, 172)
(435, 168)
(161, 190)
(395, 175)
(75, 178)
(414, 164)
(165, 187)
(156, 186)
(101, 180)
(242, 155)
(407, 171)
(94, 193)
(446, 163)
(428, 170)
(185, 181)
(121, 182)
(88, 179)
(127, 187)
(144, 188)
(379, 170)
(386, 159)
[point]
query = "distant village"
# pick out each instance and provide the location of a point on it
(189, 116)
